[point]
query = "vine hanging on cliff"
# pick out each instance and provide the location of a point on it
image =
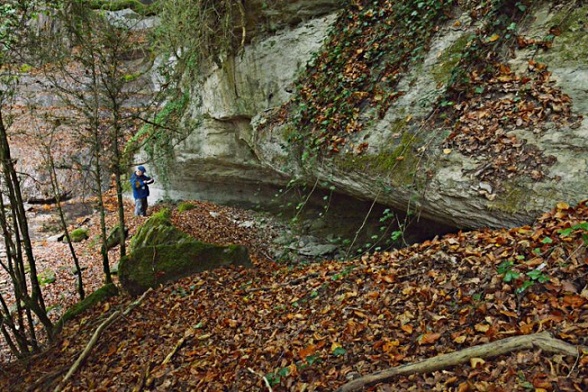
(371, 46)
(485, 99)
(195, 31)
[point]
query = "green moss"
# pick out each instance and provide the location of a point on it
(161, 253)
(158, 229)
(105, 292)
(162, 216)
(117, 5)
(512, 200)
(151, 266)
(46, 277)
(79, 235)
(572, 44)
(398, 162)
(449, 59)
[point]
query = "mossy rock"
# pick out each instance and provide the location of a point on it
(46, 277)
(161, 253)
(103, 293)
(396, 161)
(158, 230)
(78, 235)
(113, 238)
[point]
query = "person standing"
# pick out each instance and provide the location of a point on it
(140, 184)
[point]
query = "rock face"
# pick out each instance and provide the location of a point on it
(233, 155)
(218, 161)
(160, 253)
(239, 149)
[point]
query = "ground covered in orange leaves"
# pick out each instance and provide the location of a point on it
(315, 326)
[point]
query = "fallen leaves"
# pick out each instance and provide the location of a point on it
(500, 104)
(307, 327)
(429, 338)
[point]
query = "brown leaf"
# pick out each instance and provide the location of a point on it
(307, 351)
(460, 339)
(407, 328)
(429, 338)
(482, 327)
(493, 38)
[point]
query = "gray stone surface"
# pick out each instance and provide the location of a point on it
(230, 147)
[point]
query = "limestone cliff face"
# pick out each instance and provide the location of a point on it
(220, 159)
(237, 151)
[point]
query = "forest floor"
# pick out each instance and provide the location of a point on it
(317, 326)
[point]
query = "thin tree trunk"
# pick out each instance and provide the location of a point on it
(100, 195)
(21, 231)
(21, 340)
(97, 146)
(16, 351)
(57, 193)
(117, 173)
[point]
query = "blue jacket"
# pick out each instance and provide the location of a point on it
(139, 185)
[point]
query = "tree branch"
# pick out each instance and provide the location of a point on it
(189, 333)
(114, 316)
(541, 340)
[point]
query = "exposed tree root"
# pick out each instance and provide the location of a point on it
(114, 316)
(542, 340)
(46, 380)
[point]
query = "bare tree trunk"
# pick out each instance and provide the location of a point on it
(57, 193)
(101, 208)
(117, 175)
(14, 250)
(120, 202)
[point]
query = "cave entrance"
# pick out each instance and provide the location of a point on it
(355, 225)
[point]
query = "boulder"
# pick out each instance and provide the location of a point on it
(113, 238)
(160, 253)
(78, 235)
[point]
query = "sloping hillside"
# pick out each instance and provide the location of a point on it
(315, 326)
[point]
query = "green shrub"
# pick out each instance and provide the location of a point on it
(185, 206)
(118, 5)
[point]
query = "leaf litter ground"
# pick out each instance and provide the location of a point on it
(314, 326)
